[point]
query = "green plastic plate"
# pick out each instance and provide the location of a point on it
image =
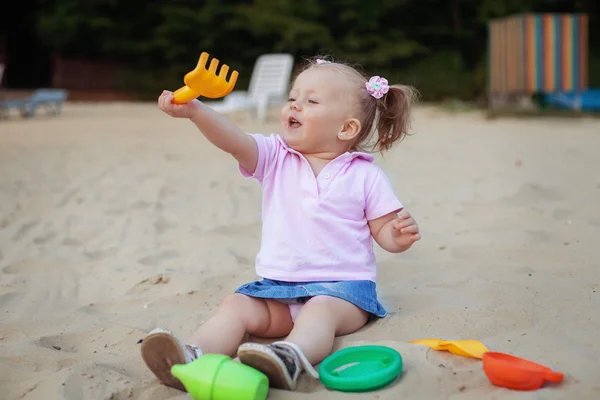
(360, 368)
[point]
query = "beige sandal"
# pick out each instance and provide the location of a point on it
(161, 349)
(281, 362)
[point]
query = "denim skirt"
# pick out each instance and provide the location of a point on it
(362, 294)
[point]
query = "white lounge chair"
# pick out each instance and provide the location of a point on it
(269, 85)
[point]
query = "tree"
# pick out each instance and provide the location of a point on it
(416, 40)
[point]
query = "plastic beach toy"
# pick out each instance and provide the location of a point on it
(205, 82)
(516, 373)
(465, 348)
(218, 377)
(360, 368)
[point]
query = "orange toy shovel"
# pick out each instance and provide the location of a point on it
(516, 373)
(205, 82)
(465, 348)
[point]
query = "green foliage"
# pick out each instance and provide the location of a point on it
(442, 75)
(594, 69)
(437, 45)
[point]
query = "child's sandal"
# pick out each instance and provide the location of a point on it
(281, 362)
(161, 349)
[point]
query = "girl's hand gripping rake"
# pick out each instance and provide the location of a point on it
(205, 82)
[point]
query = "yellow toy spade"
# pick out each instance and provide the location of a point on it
(465, 348)
(205, 82)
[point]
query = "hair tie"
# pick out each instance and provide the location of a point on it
(320, 61)
(377, 86)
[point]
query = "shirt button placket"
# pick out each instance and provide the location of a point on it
(323, 182)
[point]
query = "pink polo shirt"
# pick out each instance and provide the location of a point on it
(315, 228)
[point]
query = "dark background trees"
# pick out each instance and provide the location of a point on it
(438, 45)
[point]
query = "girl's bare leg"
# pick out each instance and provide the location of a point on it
(237, 315)
(320, 320)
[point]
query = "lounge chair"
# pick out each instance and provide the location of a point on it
(269, 85)
(587, 100)
(49, 98)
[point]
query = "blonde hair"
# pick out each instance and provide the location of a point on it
(389, 116)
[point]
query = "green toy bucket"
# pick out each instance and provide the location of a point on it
(218, 377)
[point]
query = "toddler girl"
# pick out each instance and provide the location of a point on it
(324, 202)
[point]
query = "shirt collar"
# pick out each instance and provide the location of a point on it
(355, 154)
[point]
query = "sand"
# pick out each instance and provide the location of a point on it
(116, 219)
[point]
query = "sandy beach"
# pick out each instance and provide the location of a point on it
(116, 219)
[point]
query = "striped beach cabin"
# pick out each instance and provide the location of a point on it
(538, 53)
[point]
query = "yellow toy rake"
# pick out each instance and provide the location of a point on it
(205, 82)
